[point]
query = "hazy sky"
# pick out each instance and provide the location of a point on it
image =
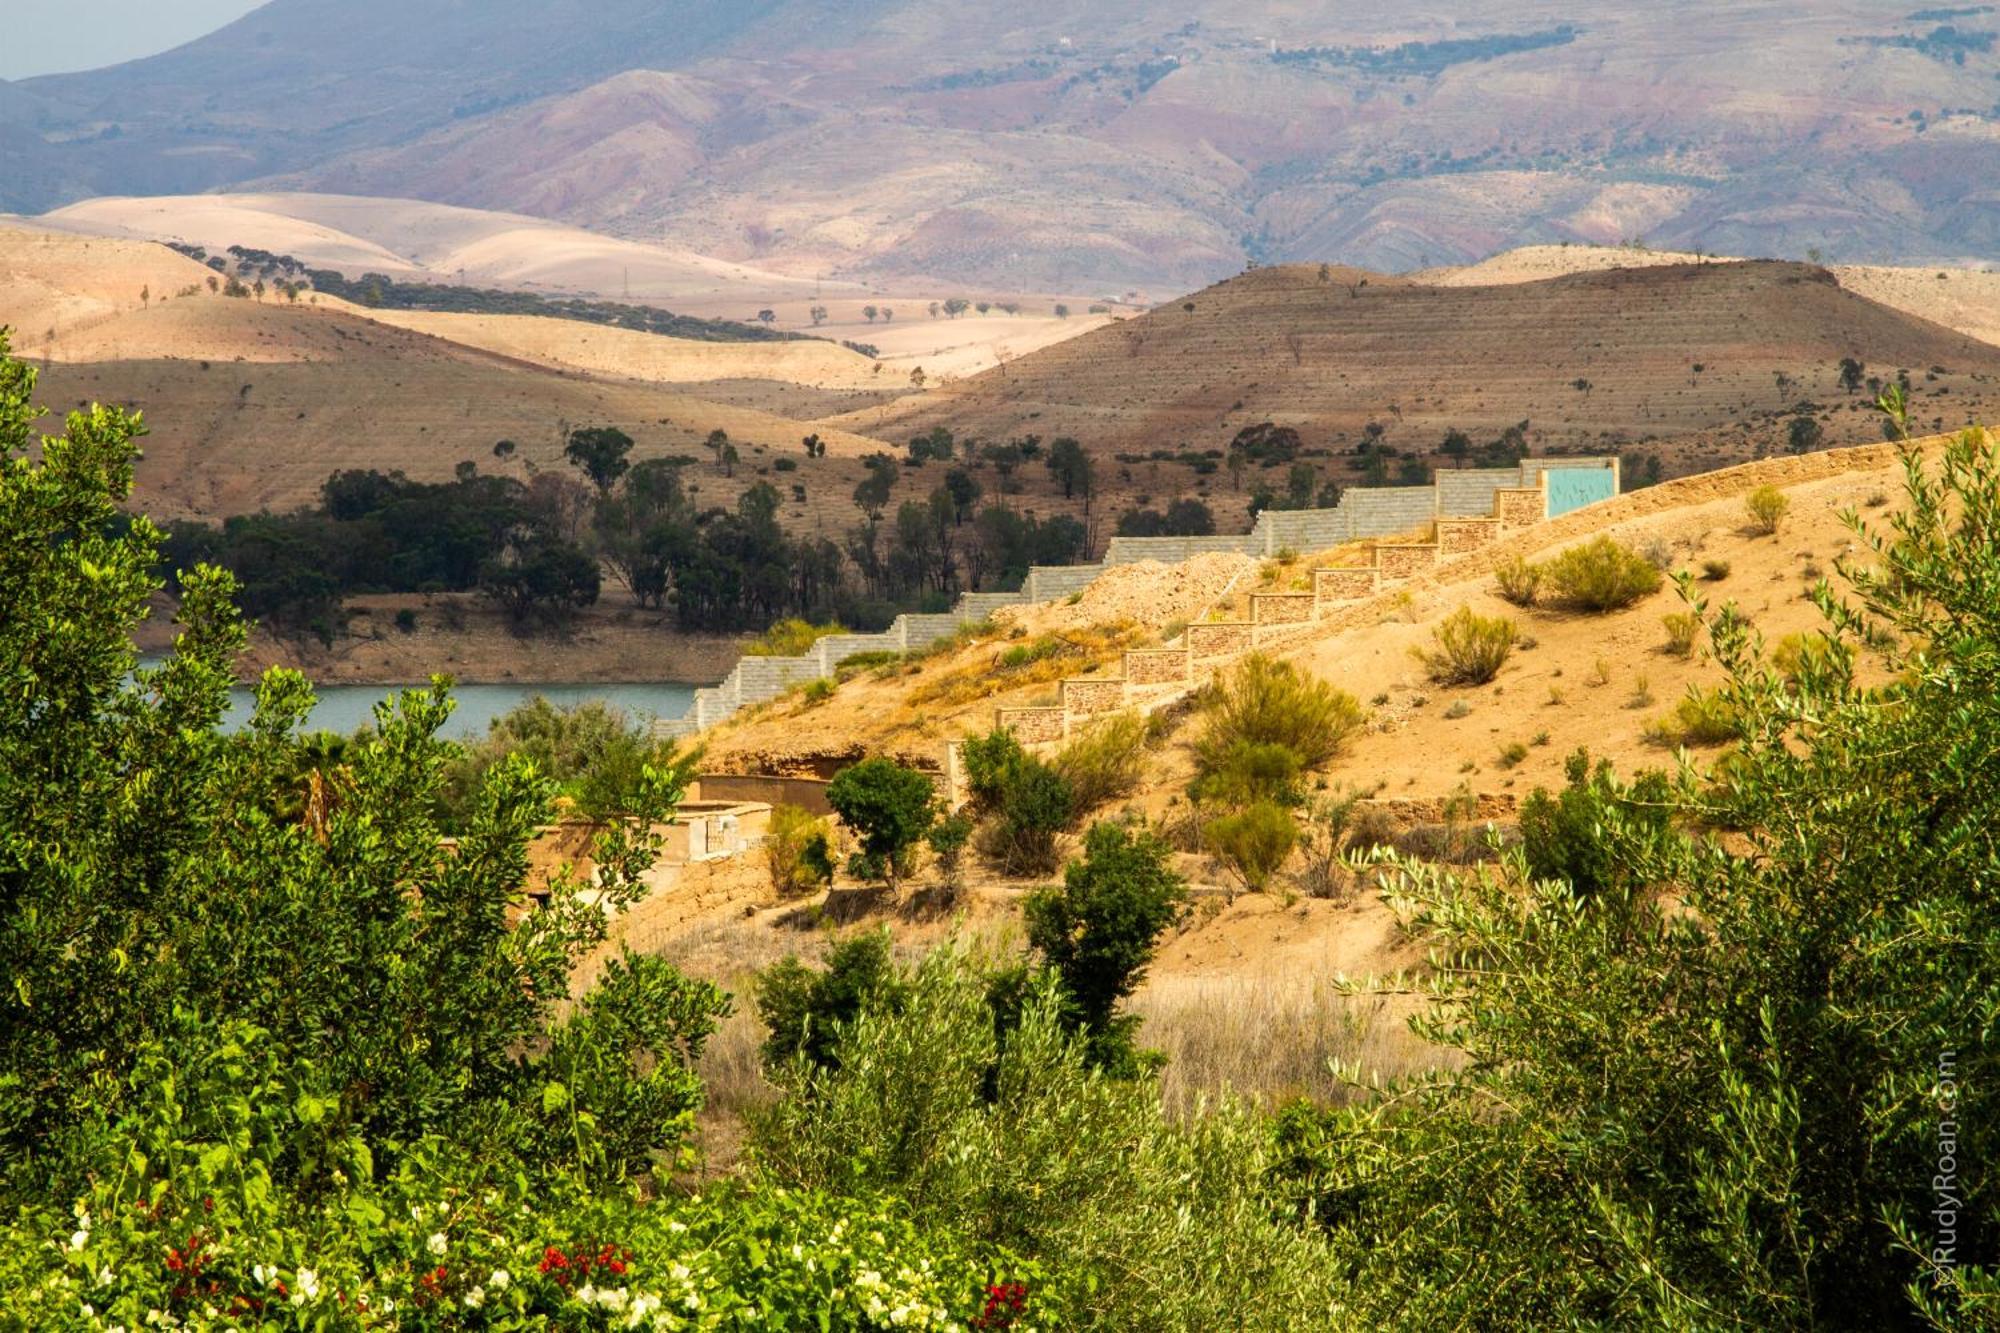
(54, 36)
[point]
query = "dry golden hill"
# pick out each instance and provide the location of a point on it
(412, 238)
(1692, 352)
(1964, 299)
(253, 403)
(68, 283)
(628, 354)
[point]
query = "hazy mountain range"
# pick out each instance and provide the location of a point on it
(1072, 143)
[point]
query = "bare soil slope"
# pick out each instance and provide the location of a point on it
(1588, 359)
(1963, 299)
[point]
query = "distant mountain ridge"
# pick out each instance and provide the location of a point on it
(1074, 143)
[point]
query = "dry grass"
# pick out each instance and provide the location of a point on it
(1270, 1039)
(1041, 660)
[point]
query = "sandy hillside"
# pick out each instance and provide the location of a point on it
(1711, 360)
(67, 283)
(406, 237)
(628, 354)
(1964, 299)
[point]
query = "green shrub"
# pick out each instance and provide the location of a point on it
(1254, 842)
(1798, 655)
(1512, 755)
(1518, 580)
(867, 661)
(947, 839)
(817, 692)
(804, 1009)
(406, 620)
(889, 808)
(1469, 648)
(595, 755)
(1097, 930)
(1601, 575)
(1703, 717)
(1265, 701)
(1018, 1137)
(1583, 834)
(1104, 763)
(798, 850)
(1248, 772)
(1683, 629)
(1767, 506)
(1036, 805)
(1715, 571)
(791, 637)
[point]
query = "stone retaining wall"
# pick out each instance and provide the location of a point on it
(1032, 725)
(1396, 561)
(1281, 608)
(1220, 638)
(1456, 536)
(1345, 585)
(1159, 666)
(1519, 508)
(1089, 696)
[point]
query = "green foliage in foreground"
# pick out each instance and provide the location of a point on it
(273, 1054)
(1750, 1080)
(276, 1055)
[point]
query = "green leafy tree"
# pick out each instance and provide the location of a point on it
(599, 452)
(153, 883)
(889, 808)
(1098, 930)
(1069, 465)
(804, 1009)
(1714, 1093)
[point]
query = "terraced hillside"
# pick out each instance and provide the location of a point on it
(1689, 351)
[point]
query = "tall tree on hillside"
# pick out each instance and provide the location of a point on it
(1852, 371)
(599, 452)
(1070, 466)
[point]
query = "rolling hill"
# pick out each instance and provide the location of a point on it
(1681, 352)
(1074, 145)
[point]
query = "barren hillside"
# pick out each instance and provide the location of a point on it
(1688, 352)
(1966, 300)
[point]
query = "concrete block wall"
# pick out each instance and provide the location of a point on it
(1468, 492)
(1513, 496)
(1053, 583)
(1388, 511)
(761, 678)
(837, 648)
(1172, 550)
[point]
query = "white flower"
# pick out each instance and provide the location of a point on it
(79, 1239)
(499, 1280)
(263, 1273)
(308, 1287)
(437, 1243)
(475, 1298)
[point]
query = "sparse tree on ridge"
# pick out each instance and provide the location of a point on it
(599, 452)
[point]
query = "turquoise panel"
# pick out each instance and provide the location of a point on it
(1574, 487)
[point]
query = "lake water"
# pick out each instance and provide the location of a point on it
(344, 708)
